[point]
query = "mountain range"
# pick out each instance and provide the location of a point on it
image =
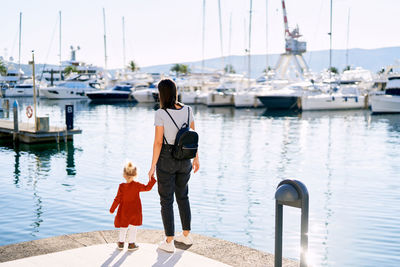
(371, 59)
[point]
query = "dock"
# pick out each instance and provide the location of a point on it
(27, 134)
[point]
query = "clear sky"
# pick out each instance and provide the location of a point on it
(170, 31)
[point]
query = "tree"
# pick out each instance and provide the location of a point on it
(3, 68)
(133, 66)
(229, 69)
(333, 70)
(267, 69)
(347, 68)
(180, 68)
(70, 69)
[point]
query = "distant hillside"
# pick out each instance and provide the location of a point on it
(372, 59)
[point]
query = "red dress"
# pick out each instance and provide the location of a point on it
(130, 206)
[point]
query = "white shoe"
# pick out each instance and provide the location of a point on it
(168, 247)
(187, 240)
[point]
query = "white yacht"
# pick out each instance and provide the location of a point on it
(194, 89)
(20, 89)
(390, 101)
(340, 97)
(247, 98)
(224, 94)
(71, 89)
(143, 93)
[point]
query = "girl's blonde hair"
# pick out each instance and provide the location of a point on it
(130, 169)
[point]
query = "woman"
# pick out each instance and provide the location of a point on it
(172, 175)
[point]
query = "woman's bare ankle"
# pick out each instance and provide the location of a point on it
(169, 239)
(185, 232)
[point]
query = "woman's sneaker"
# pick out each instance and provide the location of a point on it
(120, 245)
(168, 247)
(132, 246)
(187, 240)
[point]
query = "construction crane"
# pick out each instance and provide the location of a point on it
(293, 56)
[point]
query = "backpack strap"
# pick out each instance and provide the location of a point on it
(188, 117)
(172, 119)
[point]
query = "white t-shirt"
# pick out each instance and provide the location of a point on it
(180, 117)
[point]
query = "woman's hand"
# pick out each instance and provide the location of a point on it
(196, 164)
(151, 172)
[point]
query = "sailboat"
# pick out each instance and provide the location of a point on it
(17, 85)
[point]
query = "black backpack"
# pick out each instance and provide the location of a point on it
(186, 140)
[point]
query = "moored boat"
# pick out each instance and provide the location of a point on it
(390, 101)
(116, 94)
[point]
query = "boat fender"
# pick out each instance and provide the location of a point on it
(345, 99)
(333, 98)
(356, 99)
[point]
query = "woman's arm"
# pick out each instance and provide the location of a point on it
(196, 163)
(158, 141)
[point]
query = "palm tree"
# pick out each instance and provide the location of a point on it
(346, 68)
(229, 69)
(333, 70)
(133, 66)
(180, 68)
(3, 68)
(70, 69)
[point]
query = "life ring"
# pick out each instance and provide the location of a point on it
(29, 111)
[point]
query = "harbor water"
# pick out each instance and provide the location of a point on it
(349, 160)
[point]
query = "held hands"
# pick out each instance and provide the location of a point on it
(151, 172)
(196, 164)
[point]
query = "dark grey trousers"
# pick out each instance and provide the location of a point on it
(173, 177)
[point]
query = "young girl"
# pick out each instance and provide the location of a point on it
(129, 213)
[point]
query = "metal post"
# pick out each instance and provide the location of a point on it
(291, 193)
(34, 90)
(278, 234)
(16, 129)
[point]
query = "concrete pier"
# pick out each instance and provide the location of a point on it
(99, 249)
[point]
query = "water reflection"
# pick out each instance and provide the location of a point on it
(43, 154)
(37, 169)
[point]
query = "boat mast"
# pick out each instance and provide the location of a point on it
(348, 35)
(19, 46)
(220, 35)
(203, 40)
(59, 48)
(330, 44)
(123, 42)
(105, 40)
(230, 41)
(266, 37)
(249, 53)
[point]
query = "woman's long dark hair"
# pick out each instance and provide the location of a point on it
(168, 94)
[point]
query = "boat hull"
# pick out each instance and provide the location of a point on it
(385, 104)
(109, 96)
(19, 92)
(247, 101)
(332, 102)
(193, 98)
(62, 93)
(280, 102)
(220, 100)
(144, 96)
